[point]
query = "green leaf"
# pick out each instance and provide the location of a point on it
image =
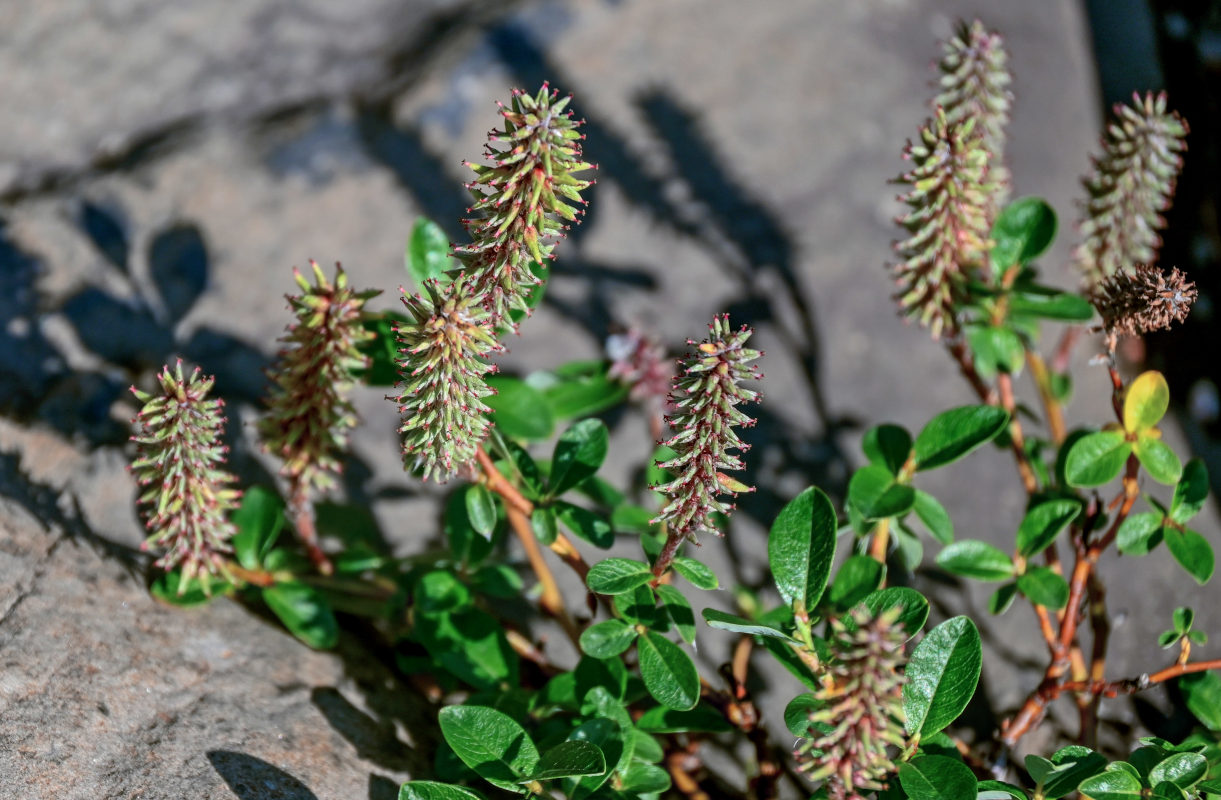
(1002, 598)
(617, 576)
(1070, 765)
(1113, 784)
(1203, 693)
(999, 790)
(913, 606)
(801, 547)
(934, 516)
(610, 735)
(996, 349)
(431, 790)
(1063, 306)
(381, 350)
(304, 612)
(1140, 533)
(797, 713)
(942, 675)
(874, 492)
(1193, 552)
(1191, 493)
(638, 607)
(953, 434)
(470, 644)
(544, 524)
(729, 622)
(696, 573)
(518, 409)
(702, 719)
(427, 255)
(491, 743)
(647, 747)
(497, 580)
(1158, 460)
(1043, 523)
(439, 591)
(1183, 618)
(856, 579)
(909, 550)
(575, 393)
(887, 446)
(974, 559)
(1182, 769)
(258, 521)
(607, 639)
(679, 611)
(572, 759)
(1044, 586)
(1146, 402)
(1022, 232)
(937, 778)
(668, 673)
(199, 590)
(630, 518)
(534, 296)
(643, 779)
(586, 524)
(481, 510)
(1096, 458)
(579, 453)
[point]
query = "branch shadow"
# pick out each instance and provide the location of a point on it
(253, 778)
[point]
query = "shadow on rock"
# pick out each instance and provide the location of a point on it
(252, 778)
(375, 740)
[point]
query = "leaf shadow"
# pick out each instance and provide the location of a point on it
(252, 778)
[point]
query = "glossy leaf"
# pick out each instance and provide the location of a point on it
(1069, 767)
(518, 409)
(875, 494)
(703, 718)
(544, 524)
(1113, 784)
(887, 446)
(576, 393)
(491, 743)
(942, 674)
(1146, 402)
(1043, 523)
(1158, 460)
(1022, 232)
(1002, 598)
(953, 434)
(586, 524)
(1140, 533)
(679, 611)
(644, 779)
(996, 349)
(481, 510)
(607, 639)
(913, 606)
(305, 612)
(735, 624)
(427, 255)
(579, 453)
(259, 521)
(1096, 458)
(617, 576)
(696, 573)
(801, 547)
(937, 778)
(1063, 306)
(668, 673)
(974, 559)
(431, 790)
(934, 516)
(1182, 769)
(856, 579)
(1193, 552)
(571, 759)
(610, 735)
(1191, 493)
(1044, 586)
(797, 713)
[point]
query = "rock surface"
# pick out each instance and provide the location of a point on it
(196, 151)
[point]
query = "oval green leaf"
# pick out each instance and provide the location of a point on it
(942, 675)
(617, 576)
(304, 612)
(1022, 232)
(258, 521)
(913, 607)
(934, 516)
(1203, 693)
(1193, 552)
(571, 759)
(1182, 769)
(1113, 784)
(668, 673)
(1043, 523)
(937, 778)
(518, 409)
(1140, 533)
(491, 743)
(679, 611)
(875, 494)
(1158, 460)
(1096, 458)
(1044, 586)
(607, 639)
(856, 579)
(887, 446)
(579, 453)
(696, 573)
(427, 255)
(729, 622)
(1191, 493)
(974, 559)
(801, 547)
(481, 510)
(953, 434)
(431, 790)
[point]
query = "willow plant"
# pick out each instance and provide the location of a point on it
(624, 709)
